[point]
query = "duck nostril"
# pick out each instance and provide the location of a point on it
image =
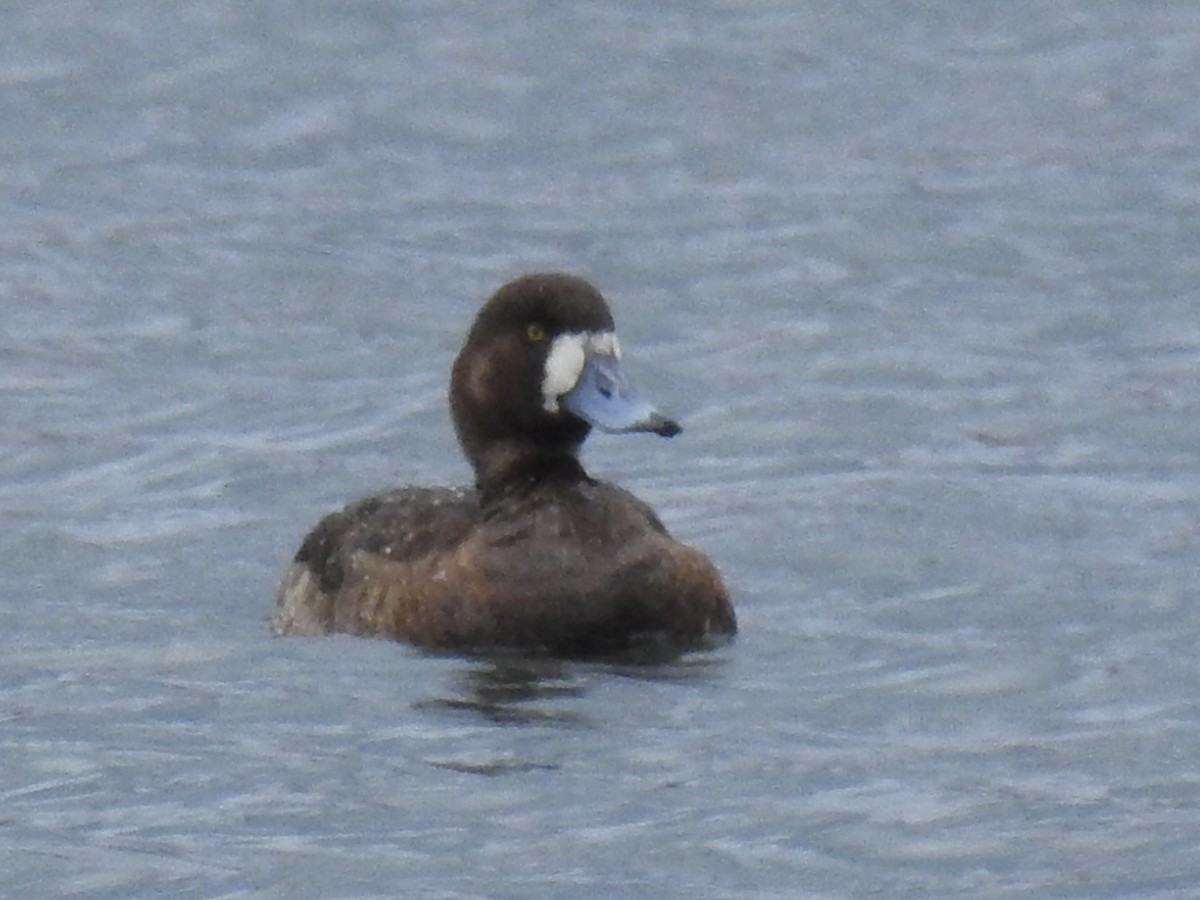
(605, 385)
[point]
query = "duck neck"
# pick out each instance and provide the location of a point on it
(508, 468)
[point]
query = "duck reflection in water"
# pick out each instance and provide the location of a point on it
(519, 690)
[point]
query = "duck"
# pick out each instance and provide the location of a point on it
(537, 556)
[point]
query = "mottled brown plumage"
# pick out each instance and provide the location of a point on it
(538, 556)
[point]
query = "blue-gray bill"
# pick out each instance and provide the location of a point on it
(605, 398)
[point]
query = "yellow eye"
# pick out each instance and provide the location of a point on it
(535, 332)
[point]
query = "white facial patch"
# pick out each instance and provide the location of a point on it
(605, 343)
(566, 359)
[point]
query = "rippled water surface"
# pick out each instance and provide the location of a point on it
(920, 279)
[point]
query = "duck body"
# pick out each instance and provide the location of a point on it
(537, 556)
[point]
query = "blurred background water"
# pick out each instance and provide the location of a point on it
(918, 276)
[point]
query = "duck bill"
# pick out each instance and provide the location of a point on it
(605, 398)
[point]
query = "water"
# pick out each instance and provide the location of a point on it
(920, 280)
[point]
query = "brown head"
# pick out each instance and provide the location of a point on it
(541, 366)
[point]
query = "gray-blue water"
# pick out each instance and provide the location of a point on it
(919, 277)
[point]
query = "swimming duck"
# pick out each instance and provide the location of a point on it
(538, 556)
